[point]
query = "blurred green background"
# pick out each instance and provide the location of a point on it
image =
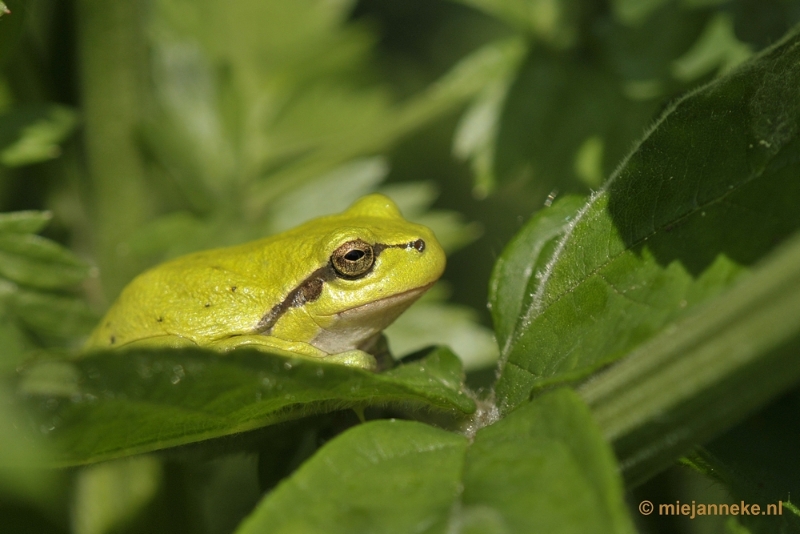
(151, 128)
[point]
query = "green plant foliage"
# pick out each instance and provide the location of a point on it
(36, 278)
(726, 358)
(682, 219)
(397, 476)
(184, 396)
(291, 140)
(522, 261)
(31, 135)
(649, 305)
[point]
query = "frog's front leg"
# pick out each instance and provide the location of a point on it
(353, 358)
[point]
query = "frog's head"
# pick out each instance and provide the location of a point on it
(372, 265)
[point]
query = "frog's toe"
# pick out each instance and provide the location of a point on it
(354, 358)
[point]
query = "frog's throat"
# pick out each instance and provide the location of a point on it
(408, 295)
(310, 289)
(355, 326)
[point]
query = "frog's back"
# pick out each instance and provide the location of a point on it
(201, 297)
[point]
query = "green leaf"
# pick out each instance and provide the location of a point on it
(184, 396)
(544, 468)
(31, 135)
(489, 64)
(522, 262)
(476, 134)
(643, 54)
(716, 48)
(540, 138)
(38, 262)
(709, 191)
(383, 476)
(52, 315)
(32, 318)
(697, 377)
(24, 222)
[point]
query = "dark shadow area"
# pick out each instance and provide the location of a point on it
(22, 519)
(758, 460)
(720, 175)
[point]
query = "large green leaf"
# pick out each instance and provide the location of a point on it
(544, 468)
(697, 377)
(709, 191)
(114, 404)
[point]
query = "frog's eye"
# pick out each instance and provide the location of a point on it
(353, 259)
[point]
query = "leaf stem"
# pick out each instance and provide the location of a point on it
(113, 72)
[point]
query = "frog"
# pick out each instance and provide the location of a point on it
(323, 290)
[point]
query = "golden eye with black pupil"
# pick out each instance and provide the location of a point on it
(353, 259)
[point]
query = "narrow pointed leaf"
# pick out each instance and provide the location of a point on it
(38, 262)
(30, 135)
(24, 222)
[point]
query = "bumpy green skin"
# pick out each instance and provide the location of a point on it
(219, 298)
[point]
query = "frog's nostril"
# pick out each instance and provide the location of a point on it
(419, 244)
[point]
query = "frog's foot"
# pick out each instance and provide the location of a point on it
(296, 349)
(268, 344)
(354, 358)
(157, 342)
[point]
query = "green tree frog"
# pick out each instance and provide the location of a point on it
(325, 289)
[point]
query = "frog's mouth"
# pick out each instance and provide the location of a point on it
(352, 327)
(388, 302)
